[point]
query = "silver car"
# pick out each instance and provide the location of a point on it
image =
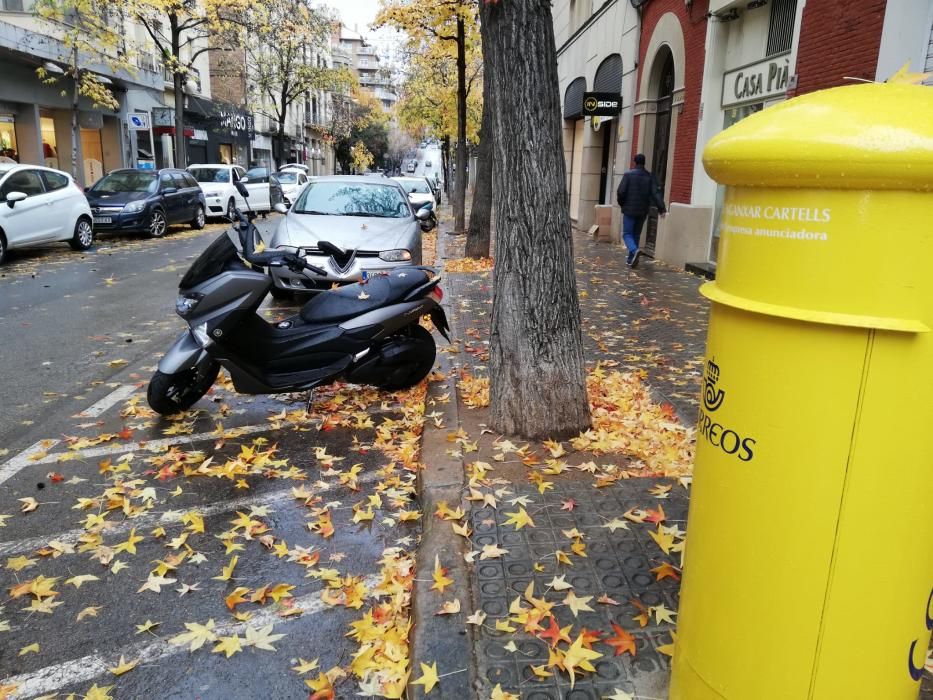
(368, 217)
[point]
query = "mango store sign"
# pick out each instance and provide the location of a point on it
(756, 82)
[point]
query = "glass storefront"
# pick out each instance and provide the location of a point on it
(8, 138)
(49, 143)
(93, 151)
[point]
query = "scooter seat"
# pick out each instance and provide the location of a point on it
(355, 299)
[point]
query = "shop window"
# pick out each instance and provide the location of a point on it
(8, 139)
(226, 153)
(49, 145)
(781, 28)
(93, 151)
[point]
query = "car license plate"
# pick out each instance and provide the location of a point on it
(103, 220)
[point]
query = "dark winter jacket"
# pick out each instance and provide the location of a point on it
(637, 191)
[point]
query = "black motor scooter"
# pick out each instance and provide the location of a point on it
(365, 333)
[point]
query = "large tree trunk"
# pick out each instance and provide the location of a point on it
(538, 380)
(461, 179)
(477, 244)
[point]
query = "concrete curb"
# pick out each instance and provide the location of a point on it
(442, 639)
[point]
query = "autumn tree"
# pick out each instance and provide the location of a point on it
(284, 42)
(432, 25)
(538, 382)
(90, 33)
(181, 30)
(360, 119)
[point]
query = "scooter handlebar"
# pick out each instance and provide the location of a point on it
(268, 258)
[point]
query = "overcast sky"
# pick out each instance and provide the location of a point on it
(355, 12)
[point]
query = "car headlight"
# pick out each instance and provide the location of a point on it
(186, 302)
(135, 207)
(398, 255)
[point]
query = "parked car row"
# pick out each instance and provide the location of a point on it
(42, 205)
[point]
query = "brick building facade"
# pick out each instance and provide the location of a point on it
(839, 39)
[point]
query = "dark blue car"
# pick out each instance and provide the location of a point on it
(147, 201)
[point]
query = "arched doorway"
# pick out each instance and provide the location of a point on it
(662, 93)
(608, 79)
(573, 116)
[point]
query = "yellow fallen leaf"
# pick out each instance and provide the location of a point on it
(123, 667)
(90, 611)
(31, 649)
(429, 677)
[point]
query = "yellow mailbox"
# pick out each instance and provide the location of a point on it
(809, 565)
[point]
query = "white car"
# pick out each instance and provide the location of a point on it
(293, 181)
(39, 205)
(217, 183)
(419, 191)
(295, 166)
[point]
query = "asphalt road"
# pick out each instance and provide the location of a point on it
(80, 336)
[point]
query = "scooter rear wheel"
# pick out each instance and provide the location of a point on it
(173, 393)
(410, 374)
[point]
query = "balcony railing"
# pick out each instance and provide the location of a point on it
(193, 74)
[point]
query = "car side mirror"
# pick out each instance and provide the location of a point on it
(423, 214)
(241, 188)
(280, 208)
(244, 179)
(170, 190)
(13, 197)
(87, 189)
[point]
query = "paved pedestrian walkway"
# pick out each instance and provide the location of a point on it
(574, 549)
(588, 553)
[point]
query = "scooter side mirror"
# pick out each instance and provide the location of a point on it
(241, 188)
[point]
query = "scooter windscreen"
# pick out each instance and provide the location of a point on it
(209, 263)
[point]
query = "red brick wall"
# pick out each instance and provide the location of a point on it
(693, 25)
(838, 39)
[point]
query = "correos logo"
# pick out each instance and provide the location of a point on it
(715, 433)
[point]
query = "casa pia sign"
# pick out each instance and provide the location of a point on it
(756, 82)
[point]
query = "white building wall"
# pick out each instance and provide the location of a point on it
(615, 31)
(905, 37)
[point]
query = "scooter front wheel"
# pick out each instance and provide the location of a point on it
(173, 393)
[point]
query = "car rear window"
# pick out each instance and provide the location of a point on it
(54, 181)
(206, 175)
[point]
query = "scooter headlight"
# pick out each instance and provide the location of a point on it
(186, 302)
(398, 255)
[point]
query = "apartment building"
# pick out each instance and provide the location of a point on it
(35, 119)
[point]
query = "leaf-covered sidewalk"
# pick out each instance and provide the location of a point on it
(573, 549)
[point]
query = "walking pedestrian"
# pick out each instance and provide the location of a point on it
(636, 192)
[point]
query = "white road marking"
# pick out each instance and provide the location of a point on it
(234, 433)
(24, 458)
(71, 537)
(114, 397)
(53, 678)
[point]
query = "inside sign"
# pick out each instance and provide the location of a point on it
(601, 104)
